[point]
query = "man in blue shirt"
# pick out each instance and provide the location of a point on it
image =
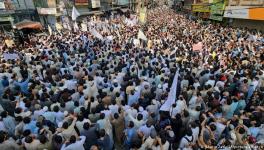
(23, 85)
(30, 125)
(130, 134)
(105, 141)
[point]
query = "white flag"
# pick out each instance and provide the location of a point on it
(142, 36)
(172, 94)
(50, 30)
(75, 13)
(96, 34)
(76, 27)
(136, 42)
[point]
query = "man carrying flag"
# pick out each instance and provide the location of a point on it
(75, 15)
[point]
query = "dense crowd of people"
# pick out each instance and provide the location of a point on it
(72, 90)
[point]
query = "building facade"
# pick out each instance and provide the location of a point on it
(245, 13)
(13, 11)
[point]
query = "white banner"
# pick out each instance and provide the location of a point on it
(172, 94)
(236, 12)
(75, 27)
(84, 27)
(96, 34)
(142, 36)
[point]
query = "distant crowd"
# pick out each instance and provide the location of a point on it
(75, 91)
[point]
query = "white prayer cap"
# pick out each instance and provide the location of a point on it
(65, 113)
(137, 88)
(27, 114)
(216, 89)
(141, 109)
(45, 108)
(154, 102)
(60, 124)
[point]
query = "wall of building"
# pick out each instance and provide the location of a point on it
(24, 4)
(251, 24)
(244, 6)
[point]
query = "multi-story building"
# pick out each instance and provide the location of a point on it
(245, 13)
(52, 11)
(13, 11)
(6, 19)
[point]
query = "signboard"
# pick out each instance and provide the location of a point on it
(217, 9)
(47, 11)
(244, 12)
(2, 5)
(236, 12)
(96, 4)
(256, 13)
(200, 8)
(81, 2)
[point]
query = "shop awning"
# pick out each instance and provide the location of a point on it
(27, 24)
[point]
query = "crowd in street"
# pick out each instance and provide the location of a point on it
(75, 91)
